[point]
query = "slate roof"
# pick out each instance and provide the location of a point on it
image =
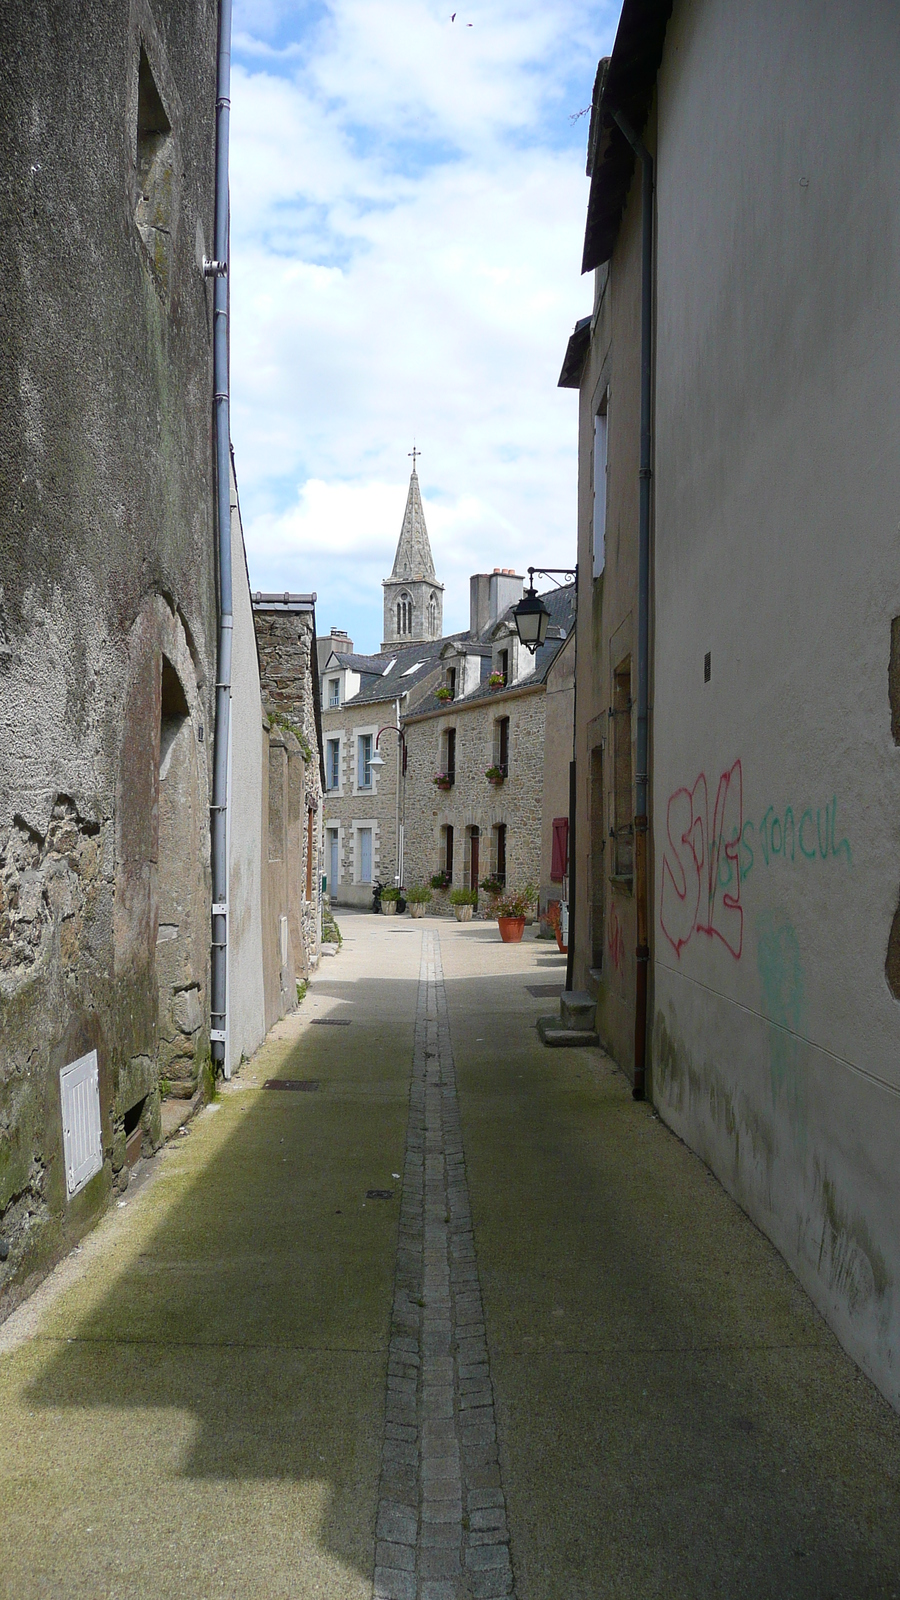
(413, 664)
(413, 560)
(561, 605)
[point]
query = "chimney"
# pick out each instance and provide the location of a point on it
(337, 640)
(489, 595)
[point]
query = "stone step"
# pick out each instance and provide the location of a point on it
(577, 1010)
(554, 1034)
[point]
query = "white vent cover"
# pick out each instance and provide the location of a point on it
(79, 1091)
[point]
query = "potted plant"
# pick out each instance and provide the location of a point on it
(443, 693)
(492, 887)
(495, 775)
(442, 780)
(555, 920)
(496, 680)
(389, 900)
(511, 908)
(463, 902)
(417, 898)
(441, 880)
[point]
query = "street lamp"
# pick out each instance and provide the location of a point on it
(377, 760)
(531, 615)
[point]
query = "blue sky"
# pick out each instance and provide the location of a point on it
(408, 199)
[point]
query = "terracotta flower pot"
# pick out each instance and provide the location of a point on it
(417, 908)
(511, 929)
(464, 914)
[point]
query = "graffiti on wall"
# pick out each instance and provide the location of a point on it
(615, 940)
(701, 879)
(710, 853)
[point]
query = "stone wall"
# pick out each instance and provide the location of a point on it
(473, 801)
(108, 600)
(285, 639)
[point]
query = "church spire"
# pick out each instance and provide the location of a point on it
(413, 558)
(413, 598)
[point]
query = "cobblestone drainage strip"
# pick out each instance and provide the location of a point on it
(441, 1523)
(303, 1085)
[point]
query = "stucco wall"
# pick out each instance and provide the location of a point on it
(106, 565)
(246, 823)
(605, 919)
(777, 782)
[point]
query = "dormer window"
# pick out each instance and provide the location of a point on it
(451, 682)
(404, 616)
(503, 665)
(334, 692)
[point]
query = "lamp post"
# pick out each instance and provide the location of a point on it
(531, 615)
(378, 761)
(531, 618)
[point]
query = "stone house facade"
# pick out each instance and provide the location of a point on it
(427, 707)
(108, 612)
(772, 936)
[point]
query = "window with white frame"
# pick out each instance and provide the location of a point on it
(334, 692)
(333, 763)
(599, 517)
(364, 761)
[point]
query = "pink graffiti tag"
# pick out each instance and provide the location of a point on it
(616, 942)
(701, 880)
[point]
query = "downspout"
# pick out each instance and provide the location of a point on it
(642, 764)
(399, 805)
(573, 802)
(218, 270)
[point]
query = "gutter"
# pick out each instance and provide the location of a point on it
(218, 271)
(642, 762)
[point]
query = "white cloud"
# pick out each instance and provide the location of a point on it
(407, 217)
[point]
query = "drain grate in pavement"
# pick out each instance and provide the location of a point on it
(379, 1194)
(304, 1085)
(545, 991)
(331, 1022)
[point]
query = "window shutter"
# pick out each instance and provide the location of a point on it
(560, 860)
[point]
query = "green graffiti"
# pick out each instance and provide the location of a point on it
(782, 993)
(779, 837)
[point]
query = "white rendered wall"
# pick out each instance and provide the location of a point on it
(776, 1048)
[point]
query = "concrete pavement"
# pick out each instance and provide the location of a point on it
(550, 1358)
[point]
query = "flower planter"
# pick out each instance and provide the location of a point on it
(389, 907)
(464, 914)
(511, 929)
(417, 909)
(444, 787)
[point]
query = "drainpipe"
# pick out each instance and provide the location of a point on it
(218, 270)
(642, 772)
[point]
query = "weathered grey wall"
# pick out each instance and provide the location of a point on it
(777, 783)
(605, 920)
(106, 565)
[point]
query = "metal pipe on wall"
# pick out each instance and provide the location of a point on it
(218, 270)
(642, 761)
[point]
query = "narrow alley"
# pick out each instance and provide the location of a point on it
(445, 1315)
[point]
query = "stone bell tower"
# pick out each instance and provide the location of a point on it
(413, 598)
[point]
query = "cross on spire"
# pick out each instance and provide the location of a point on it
(414, 453)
